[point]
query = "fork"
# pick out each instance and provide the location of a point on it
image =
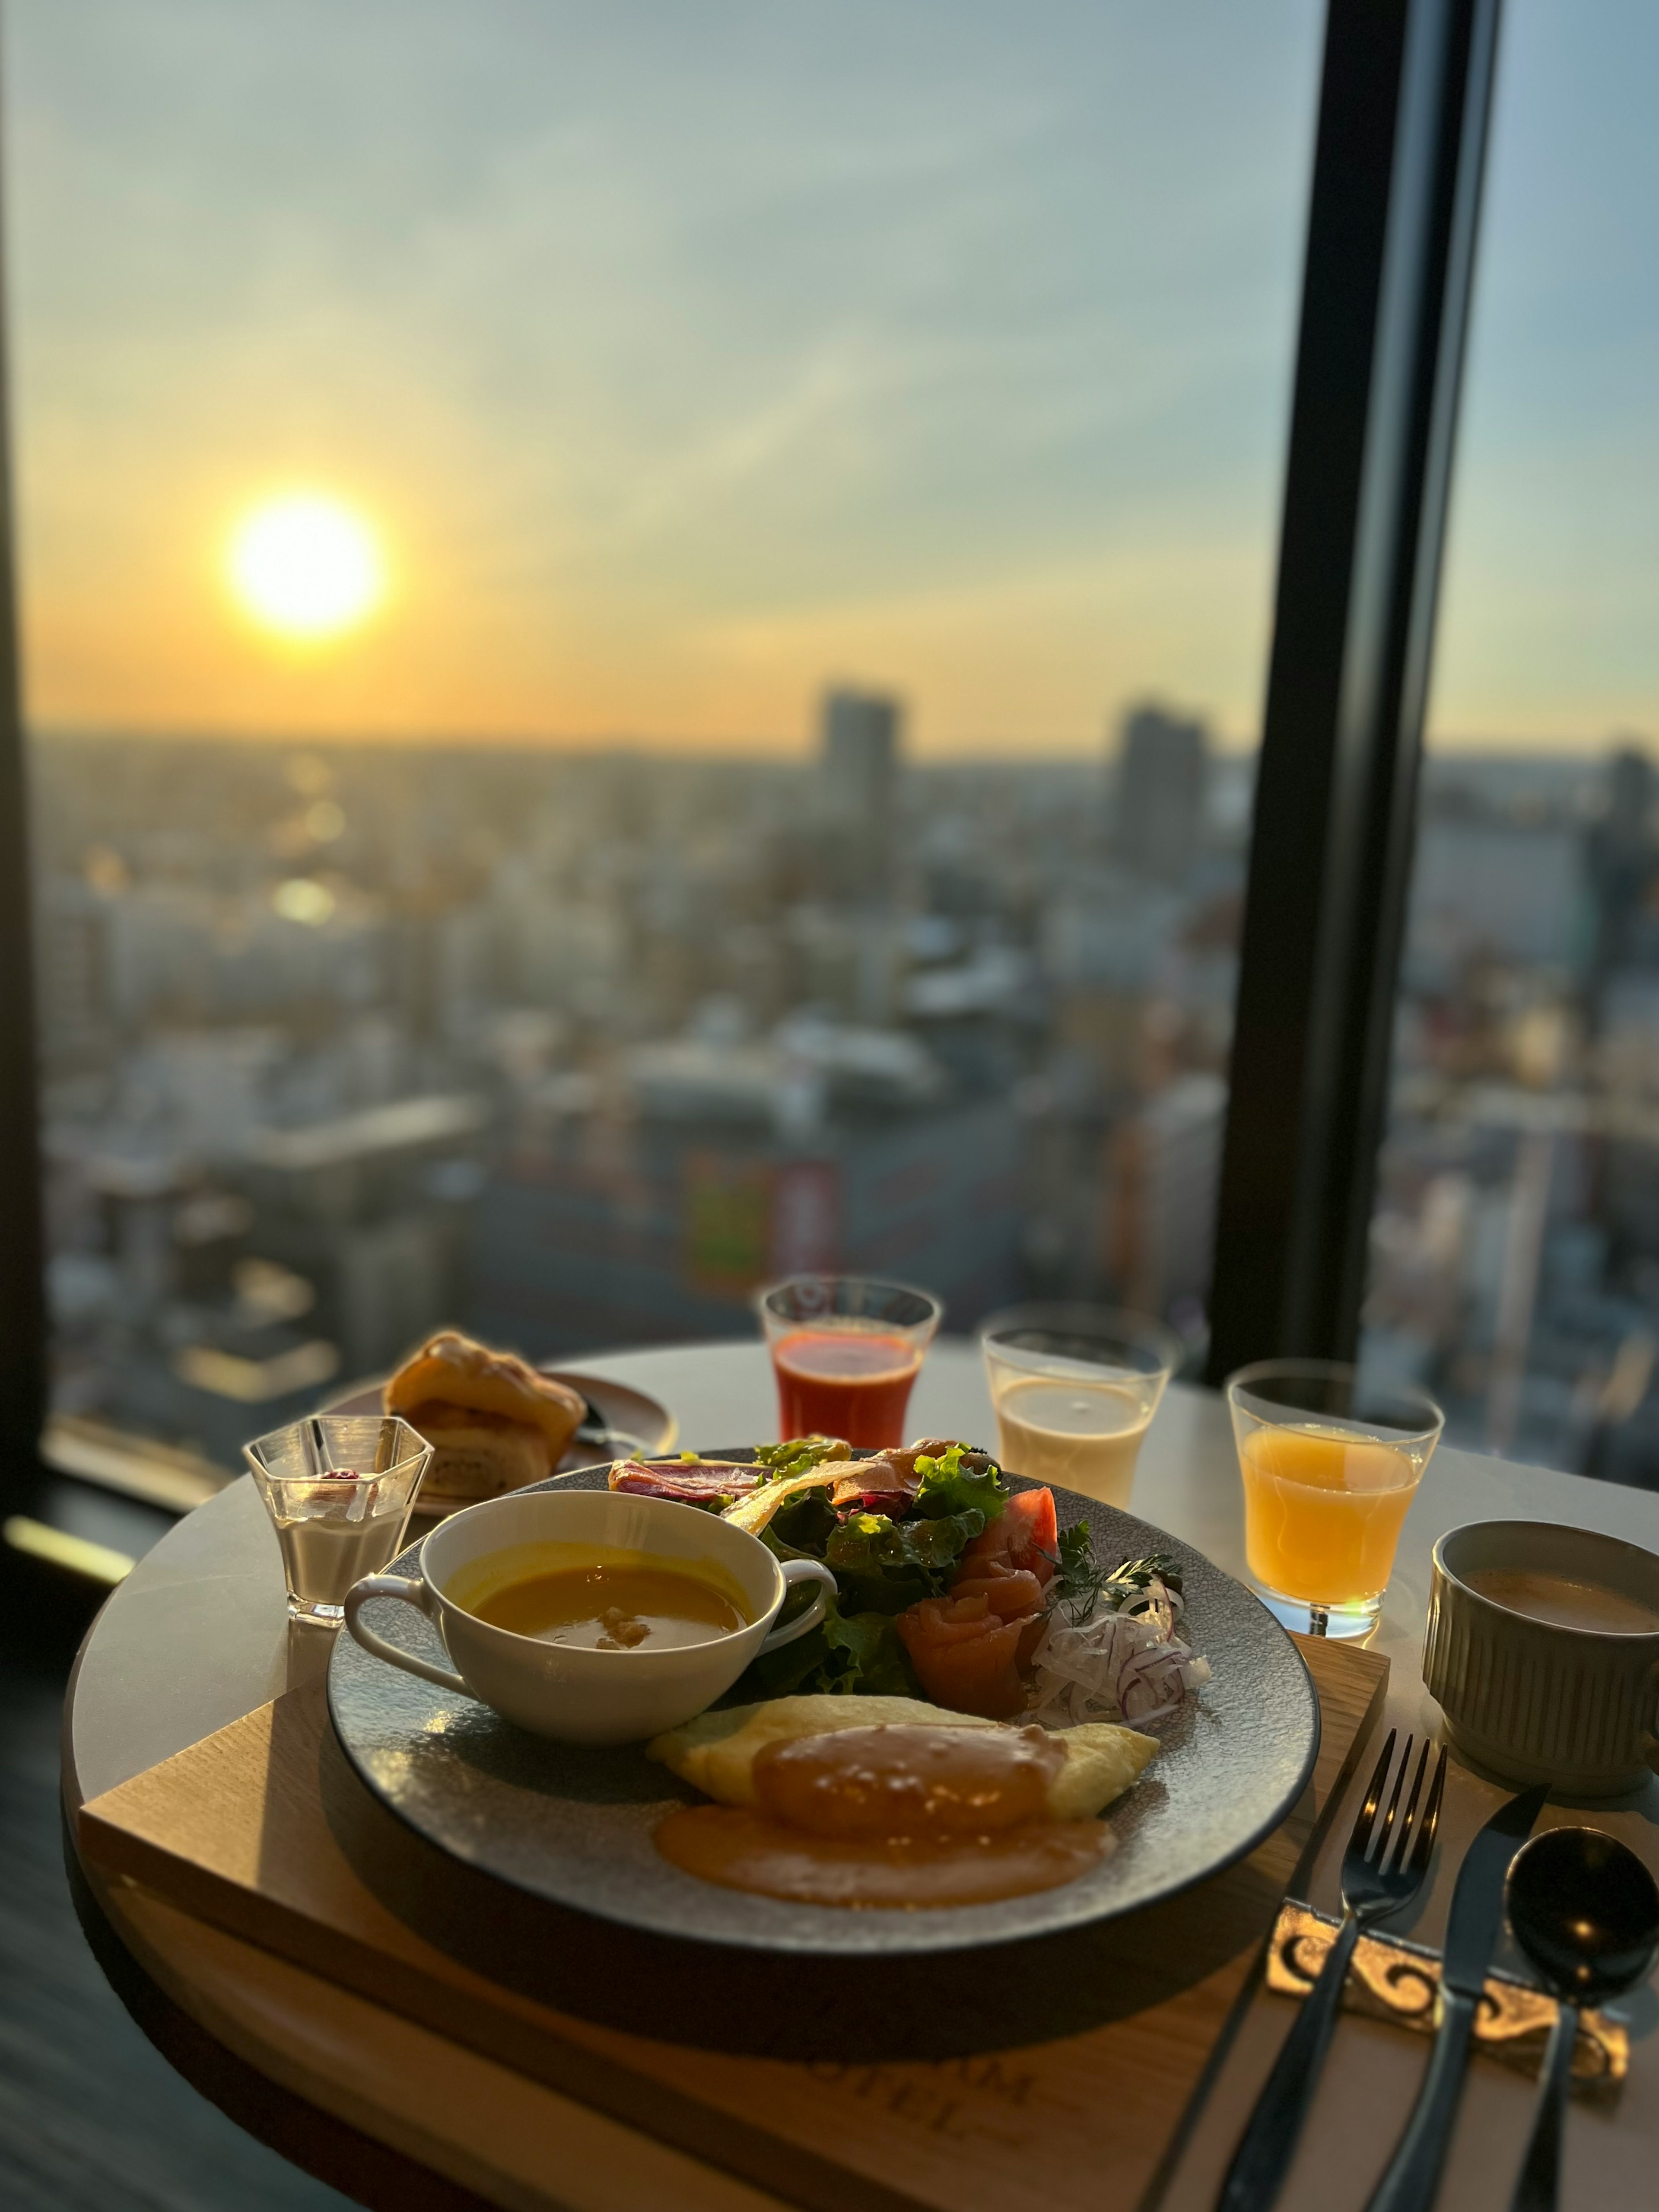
(1382, 1870)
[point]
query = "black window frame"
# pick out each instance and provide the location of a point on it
(1393, 218)
(1393, 207)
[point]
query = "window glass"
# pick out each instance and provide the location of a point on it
(1516, 1250)
(643, 629)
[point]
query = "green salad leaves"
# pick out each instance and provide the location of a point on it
(881, 1567)
(948, 1487)
(796, 1455)
(846, 1652)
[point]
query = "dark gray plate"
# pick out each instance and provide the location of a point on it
(573, 1827)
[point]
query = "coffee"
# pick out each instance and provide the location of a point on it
(1562, 1602)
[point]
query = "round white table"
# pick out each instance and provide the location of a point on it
(198, 1634)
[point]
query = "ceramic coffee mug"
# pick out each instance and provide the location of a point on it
(1532, 1699)
(581, 1695)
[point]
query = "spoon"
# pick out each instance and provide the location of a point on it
(1586, 1913)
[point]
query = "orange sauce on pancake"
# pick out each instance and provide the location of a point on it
(898, 1817)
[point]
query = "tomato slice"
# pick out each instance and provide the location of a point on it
(1025, 1536)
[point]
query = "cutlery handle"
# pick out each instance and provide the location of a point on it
(1535, 2191)
(1268, 2142)
(1413, 2171)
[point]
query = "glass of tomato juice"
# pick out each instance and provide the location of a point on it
(846, 1351)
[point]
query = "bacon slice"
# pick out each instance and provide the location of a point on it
(708, 1482)
(889, 1482)
(884, 1484)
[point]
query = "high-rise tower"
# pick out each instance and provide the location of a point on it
(1160, 793)
(860, 786)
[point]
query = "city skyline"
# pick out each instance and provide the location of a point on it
(798, 748)
(567, 1049)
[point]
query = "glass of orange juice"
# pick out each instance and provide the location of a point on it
(1330, 1465)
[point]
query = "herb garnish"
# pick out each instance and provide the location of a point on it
(1079, 1585)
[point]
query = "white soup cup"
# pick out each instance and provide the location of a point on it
(574, 1694)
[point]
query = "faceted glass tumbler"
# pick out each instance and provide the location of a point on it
(339, 1488)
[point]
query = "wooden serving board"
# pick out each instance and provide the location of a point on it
(1051, 2091)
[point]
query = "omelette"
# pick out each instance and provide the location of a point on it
(716, 1751)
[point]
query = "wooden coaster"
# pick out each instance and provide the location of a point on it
(1044, 2066)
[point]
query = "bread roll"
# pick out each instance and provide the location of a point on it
(494, 1423)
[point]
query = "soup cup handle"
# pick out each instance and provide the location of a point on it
(408, 1592)
(801, 1571)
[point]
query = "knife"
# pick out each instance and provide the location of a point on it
(1477, 1914)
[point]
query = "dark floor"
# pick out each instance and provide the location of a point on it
(92, 2118)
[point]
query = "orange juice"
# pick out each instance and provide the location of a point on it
(1322, 1509)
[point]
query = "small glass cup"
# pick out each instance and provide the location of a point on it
(1074, 1388)
(846, 1352)
(339, 1488)
(1330, 1463)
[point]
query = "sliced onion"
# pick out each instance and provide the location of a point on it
(1125, 1666)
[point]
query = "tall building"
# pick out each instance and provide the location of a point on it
(859, 769)
(1160, 793)
(1622, 863)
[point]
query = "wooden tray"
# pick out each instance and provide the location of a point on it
(1065, 2078)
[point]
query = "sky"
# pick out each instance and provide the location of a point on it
(686, 356)
(1549, 614)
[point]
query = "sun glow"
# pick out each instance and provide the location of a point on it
(307, 567)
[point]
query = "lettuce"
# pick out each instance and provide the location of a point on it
(802, 1526)
(882, 1566)
(846, 1652)
(864, 1653)
(795, 1455)
(948, 1487)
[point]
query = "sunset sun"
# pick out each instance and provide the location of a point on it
(306, 567)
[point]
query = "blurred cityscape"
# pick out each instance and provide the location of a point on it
(1515, 1262)
(576, 1049)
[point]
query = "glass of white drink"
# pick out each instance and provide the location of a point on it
(339, 1487)
(1075, 1387)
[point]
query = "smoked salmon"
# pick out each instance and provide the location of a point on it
(968, 1649)
(966, 1656)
